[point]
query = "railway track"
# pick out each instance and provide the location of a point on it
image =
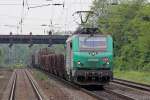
(129, 91)
(107, 94)
(12, 93)
(23, 87)
(72, 85)
(38, 95)
(99, 94)
(138, 86)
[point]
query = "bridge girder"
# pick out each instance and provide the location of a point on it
(33, 39)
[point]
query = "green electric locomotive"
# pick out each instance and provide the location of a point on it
(89, 58)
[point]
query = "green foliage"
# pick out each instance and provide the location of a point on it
(39, 75)
(20, 55)
(143, 77)
(129, 24)
(17, 66)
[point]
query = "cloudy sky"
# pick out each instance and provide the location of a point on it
(11, 13)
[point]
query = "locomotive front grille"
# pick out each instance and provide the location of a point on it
(91, 63)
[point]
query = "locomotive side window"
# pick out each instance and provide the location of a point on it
(71, 45)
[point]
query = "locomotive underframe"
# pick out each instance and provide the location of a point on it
(93, 77)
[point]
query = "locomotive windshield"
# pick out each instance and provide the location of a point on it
(93, 43)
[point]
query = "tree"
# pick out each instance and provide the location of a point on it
(129, 24)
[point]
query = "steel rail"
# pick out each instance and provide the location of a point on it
(73, 85)
(34, 86)
(91, 93)
(132, 84)
(12, 93)
(119, 94)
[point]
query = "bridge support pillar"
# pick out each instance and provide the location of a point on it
(10, 40)
(30, 41)
(50, 39)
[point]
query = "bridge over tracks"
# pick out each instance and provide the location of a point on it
(33, 39)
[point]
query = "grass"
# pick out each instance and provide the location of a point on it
(135, 76)
(39, 75)
(15, 66)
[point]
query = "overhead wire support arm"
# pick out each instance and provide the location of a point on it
(40, 6)
(55, 4)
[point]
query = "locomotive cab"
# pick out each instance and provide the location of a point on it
(89, 59)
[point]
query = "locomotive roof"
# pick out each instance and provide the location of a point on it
(86, 31)
(76, 35)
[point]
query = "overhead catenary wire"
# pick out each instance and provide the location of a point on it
(19, 4)
(66, 15)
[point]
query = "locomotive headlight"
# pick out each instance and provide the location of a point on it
(93, 54)
(78, 62)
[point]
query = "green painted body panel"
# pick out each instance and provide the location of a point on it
(75, 42)
(89, 61)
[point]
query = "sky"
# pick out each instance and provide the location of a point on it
(33, 19)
